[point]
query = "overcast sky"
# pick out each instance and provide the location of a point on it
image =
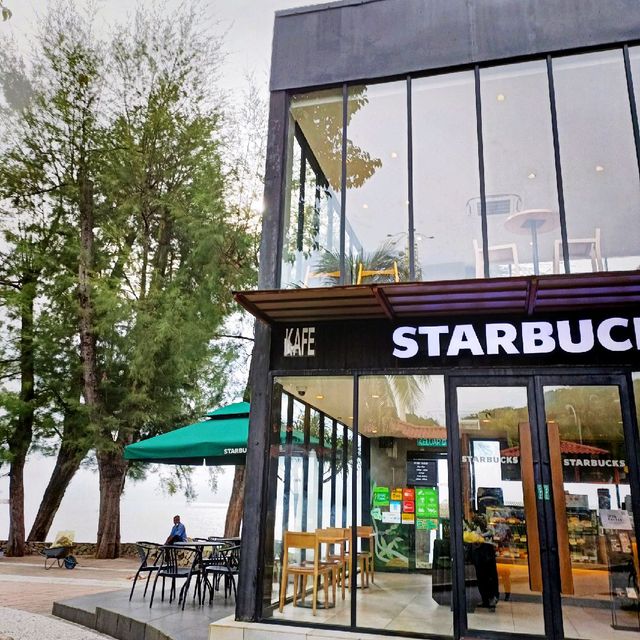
(248, 23)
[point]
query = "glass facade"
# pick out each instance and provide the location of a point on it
(395, 539)
(428, 199)
(361, 529)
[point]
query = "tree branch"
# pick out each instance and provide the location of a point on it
(224, 335)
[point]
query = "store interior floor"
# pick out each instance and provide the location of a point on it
(403, 602)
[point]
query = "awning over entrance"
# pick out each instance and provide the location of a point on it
(520, 295)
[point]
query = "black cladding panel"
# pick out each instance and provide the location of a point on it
(363, 40)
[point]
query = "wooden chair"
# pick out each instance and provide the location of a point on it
(505, 254)
(336, 540)
(365, 557)
(580, 248)
(372, 273)
(314, 569)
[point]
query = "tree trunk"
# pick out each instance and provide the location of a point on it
(113, 470)
(15, 544)
(236, 504)
(20, 439)
(67, 463)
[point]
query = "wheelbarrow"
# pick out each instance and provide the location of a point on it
(60, 551)
(61, 555)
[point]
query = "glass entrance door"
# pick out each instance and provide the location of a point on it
(544, 474)
(589, 459)
(500, 537)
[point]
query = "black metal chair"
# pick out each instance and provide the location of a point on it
(223, 563)
(149, 553)
(178, 562)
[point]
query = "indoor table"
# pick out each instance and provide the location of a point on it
(533, 222)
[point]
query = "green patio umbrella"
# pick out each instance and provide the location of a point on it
(219, 439)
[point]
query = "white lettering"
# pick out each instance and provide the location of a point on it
(433, 338)
(501, 335)
(636, 328)
(405, 347)
(604, 335)
(464, 337)
(311, 341)
(585, 342)
(537, 337)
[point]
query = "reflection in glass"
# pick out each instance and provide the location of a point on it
(404, 504)
(523, 221)
(599, 166)
(445, 177)
(312, 204)
(590, 482)
(377, 206)
(501, 540)
(310, 475)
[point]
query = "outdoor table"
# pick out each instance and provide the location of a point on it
(533, 221)
(198, 546)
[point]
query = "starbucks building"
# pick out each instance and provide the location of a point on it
(448, 323)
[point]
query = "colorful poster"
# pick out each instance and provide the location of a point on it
(427, 502)
(396, 494)
(390, 517)
(408, 506)
(395, 507)
(408, 518)
(421, 523)
(408, 494)
(381, 496)
(432, 524)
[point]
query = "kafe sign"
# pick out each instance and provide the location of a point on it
(299, 342)
(517, 338)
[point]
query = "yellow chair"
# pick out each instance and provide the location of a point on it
(313, 275)
(370, 273)
(315, 569)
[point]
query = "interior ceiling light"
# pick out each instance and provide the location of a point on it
(319, 397)
(374, 430)
(394, 154)
(365, 206)
(375, 395)
(531, 176)
(500, 97)
(599, 168)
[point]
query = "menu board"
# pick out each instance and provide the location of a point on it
(422, 473)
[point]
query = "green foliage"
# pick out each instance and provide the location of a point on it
(134, 128)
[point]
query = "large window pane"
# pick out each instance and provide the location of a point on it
(523, 222)
(599, 167)
(445, 177)
(311, 239)
(377, 218)
(311, 477)
(405, 505)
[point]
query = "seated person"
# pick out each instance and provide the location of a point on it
(178, 532)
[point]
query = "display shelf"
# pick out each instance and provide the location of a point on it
(510, 532)
(583, 535)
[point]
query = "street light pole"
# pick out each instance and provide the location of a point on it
(576, 419)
